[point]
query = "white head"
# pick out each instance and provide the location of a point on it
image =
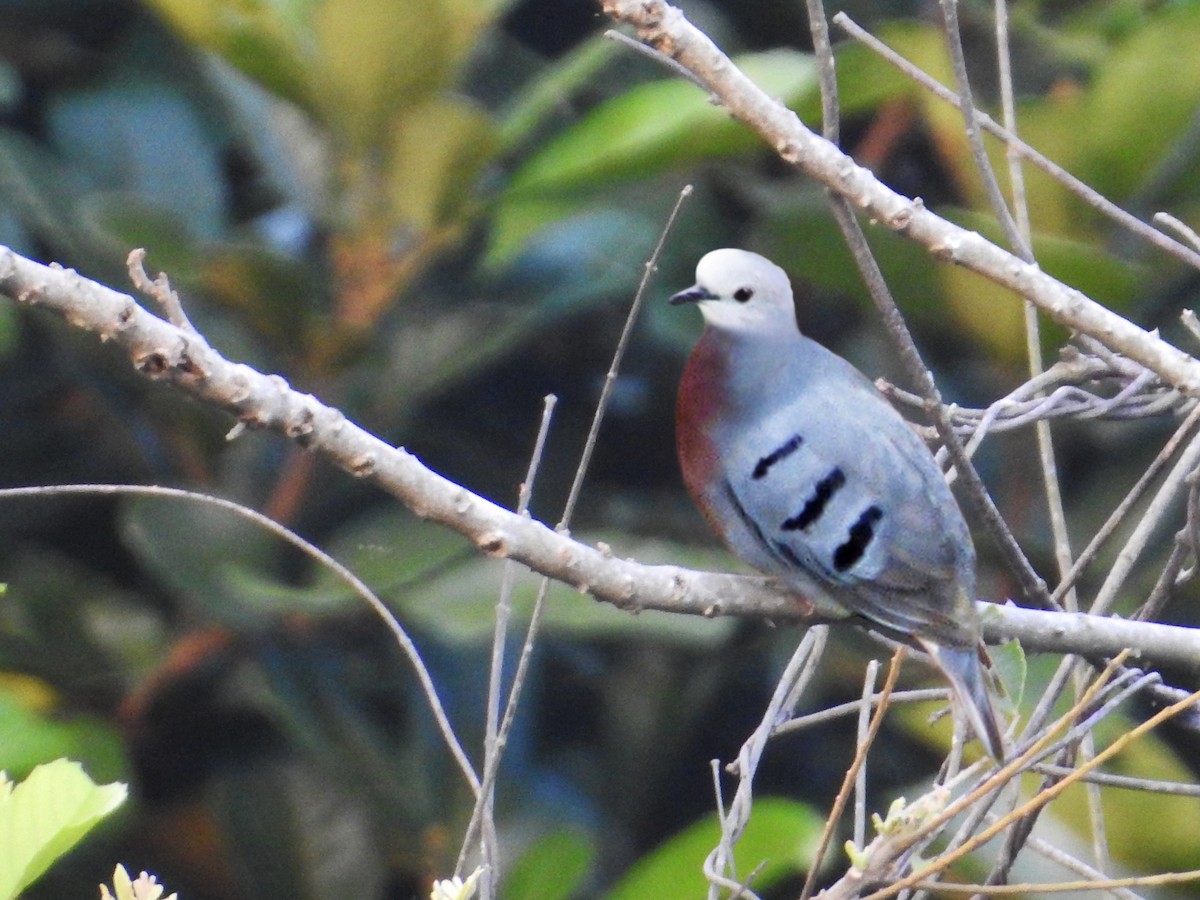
(741, 291)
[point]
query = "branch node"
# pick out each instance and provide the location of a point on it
(153, 364)
(493, 543)
(300, 428)
(789, 151)
(364, 465)
(902, 218)
(947, 249)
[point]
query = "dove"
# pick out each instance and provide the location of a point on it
(807, 473)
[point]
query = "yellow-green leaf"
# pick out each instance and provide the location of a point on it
(438, 148)
(376, 57)
(45, 816)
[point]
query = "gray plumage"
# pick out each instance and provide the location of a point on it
(810, 475)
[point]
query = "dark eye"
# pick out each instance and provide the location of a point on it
(741, 295)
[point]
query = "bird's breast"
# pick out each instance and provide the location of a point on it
(699, 408)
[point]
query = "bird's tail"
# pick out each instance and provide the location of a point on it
(969, 687)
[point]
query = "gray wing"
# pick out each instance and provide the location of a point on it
(840, 491)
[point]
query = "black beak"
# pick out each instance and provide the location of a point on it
(694, 294)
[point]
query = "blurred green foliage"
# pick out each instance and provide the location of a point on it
(432, 213)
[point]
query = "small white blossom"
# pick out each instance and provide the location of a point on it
(145, 888)
(455, 888)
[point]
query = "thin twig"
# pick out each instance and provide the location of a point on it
(1033, 588)
(483, 809)
(1126, 782)
(795, 679)
(160, 289)
(1083, 730)
(818, 29)
(610, 379)
(1117, 516)
(1035, 888)
(1040, 799)
(311, 550)
(860, 756)
(854, 707)
(651, 53)
(966, 105)
(1158, 509)
(1168, 579)
(1022, 230)
(1018, 762)
(496, 736)
(862, 732)
(1186, 231)
(1073, 864)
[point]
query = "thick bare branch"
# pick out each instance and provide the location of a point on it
(163, 352)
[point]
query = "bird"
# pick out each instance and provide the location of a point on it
(807, 473)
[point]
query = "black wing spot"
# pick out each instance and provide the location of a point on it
(779, 454)
(815, 505)
(862, 533)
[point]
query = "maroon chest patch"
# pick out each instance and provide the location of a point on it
(700, 399)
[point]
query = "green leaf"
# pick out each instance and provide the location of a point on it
(515, 221)
(781, 836)
(1011, 668)
(639, 134)
(264, 40)
(655, 126)
(801, 234)
(35, 731)
(553, 868)
(45, 816)
(1142, 103)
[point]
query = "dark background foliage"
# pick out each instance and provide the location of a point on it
(431, 214)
